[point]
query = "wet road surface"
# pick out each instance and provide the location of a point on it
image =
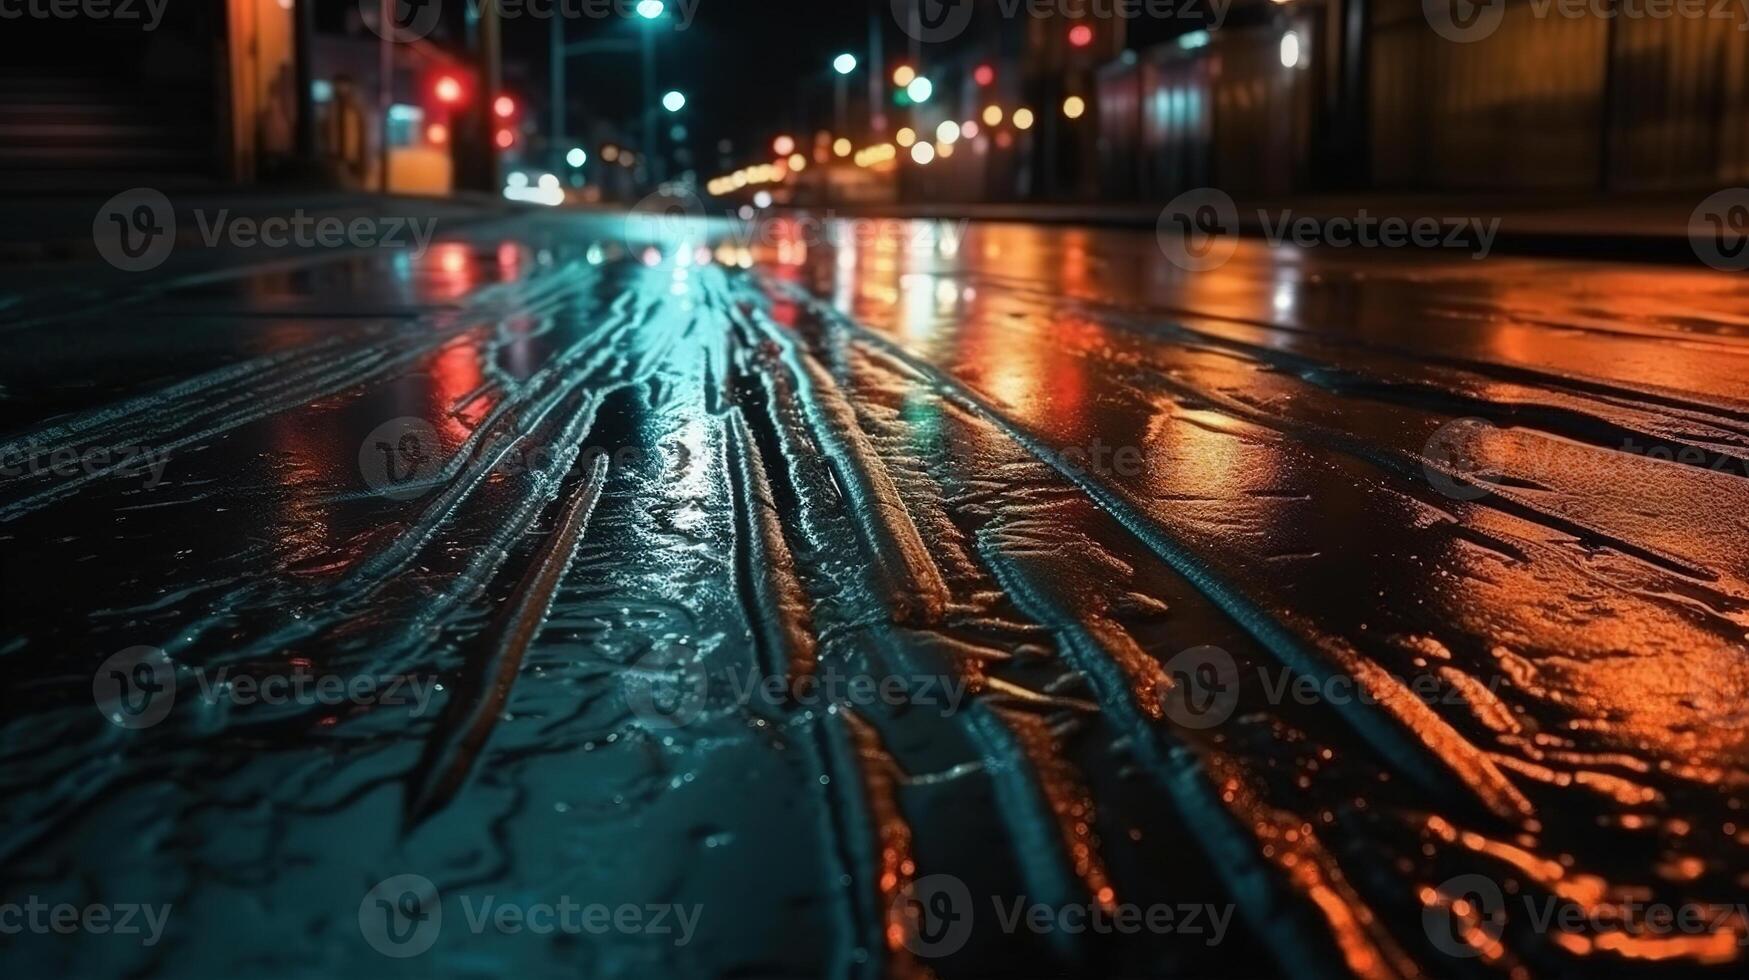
(939, 598)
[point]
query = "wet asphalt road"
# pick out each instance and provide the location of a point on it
(938, 598)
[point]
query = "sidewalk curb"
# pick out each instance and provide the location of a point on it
(1647, 247)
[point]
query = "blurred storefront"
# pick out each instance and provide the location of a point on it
(1307, 96)
(354, 141)
(1557, 102)
(244, 91)
(88, 102)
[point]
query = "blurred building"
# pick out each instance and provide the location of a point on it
(240, 91)
(406, 128)
(1284, 97)
(93, 101)
(1376, 98)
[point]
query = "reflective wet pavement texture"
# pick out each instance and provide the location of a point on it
(840, 598)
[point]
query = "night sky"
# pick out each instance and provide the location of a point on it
(741, 64)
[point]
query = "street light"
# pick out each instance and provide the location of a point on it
(844, 64)
(920, 89)
(643, 43)
(1074, 107)
(652, 11)
(1023, 118)
(1290, 50)
(674, 101)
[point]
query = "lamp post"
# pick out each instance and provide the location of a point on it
(842, 66)
(556, 66)
(385, 86)
(651, 10)
(648, 11)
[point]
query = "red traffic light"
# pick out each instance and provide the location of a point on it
(1080, 35)
(448, 89)
(984, 75)
(506, 139)
(504, 106)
